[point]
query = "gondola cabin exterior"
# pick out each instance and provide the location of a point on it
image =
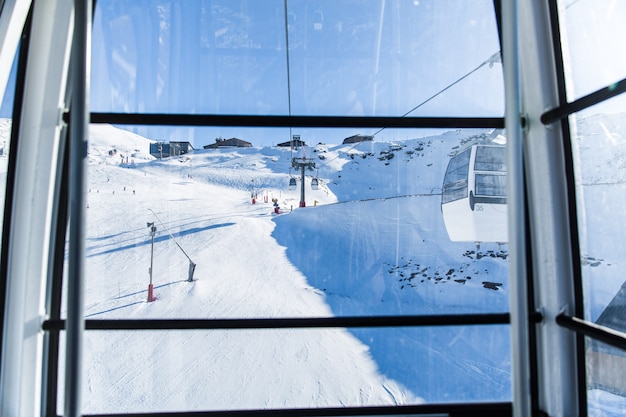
(473, 198)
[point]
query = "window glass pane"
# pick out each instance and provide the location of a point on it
(491, 185)
(6, 106)
(151, 371)
(490, 158)
(605, 379)
(334, 57)
(600, 148)
(455, 179)
(600, 145)
(224, 203)
(205, 223)
(6, 113)
(593, 31)
(371, 240)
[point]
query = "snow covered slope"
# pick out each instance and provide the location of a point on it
(370, 241)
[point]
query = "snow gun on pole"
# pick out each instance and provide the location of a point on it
(192, 265)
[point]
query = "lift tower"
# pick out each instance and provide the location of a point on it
(302, 163)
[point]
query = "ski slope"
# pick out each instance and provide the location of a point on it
(371, 241)
(345, 254)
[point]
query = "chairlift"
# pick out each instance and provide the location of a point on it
(314, 184)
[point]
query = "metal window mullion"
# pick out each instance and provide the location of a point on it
(516, 214)
(486, 409)
(55, 281)
(592, 330)
(78, 157)
(584, 102)
(292, 323)
(548, 211)
(31, 207)
(251, 120)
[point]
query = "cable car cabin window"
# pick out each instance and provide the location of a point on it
(455, 180)
(208, 227)
(490, 158)
(490, 185)
(591, 31)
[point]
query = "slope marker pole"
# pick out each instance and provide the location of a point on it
(153, 230)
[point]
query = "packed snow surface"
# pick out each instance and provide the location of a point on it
(370, 242)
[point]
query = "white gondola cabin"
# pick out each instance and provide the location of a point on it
(473, 199)
(314, 184)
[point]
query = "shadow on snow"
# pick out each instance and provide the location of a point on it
(346, 253)
(162, 238)
(131, 295)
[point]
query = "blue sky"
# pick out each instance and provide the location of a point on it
(345, 58)
(374, 58)
(380, 57)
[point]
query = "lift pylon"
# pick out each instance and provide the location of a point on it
(302, 163)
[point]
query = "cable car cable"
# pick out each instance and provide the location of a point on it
(494, 58)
